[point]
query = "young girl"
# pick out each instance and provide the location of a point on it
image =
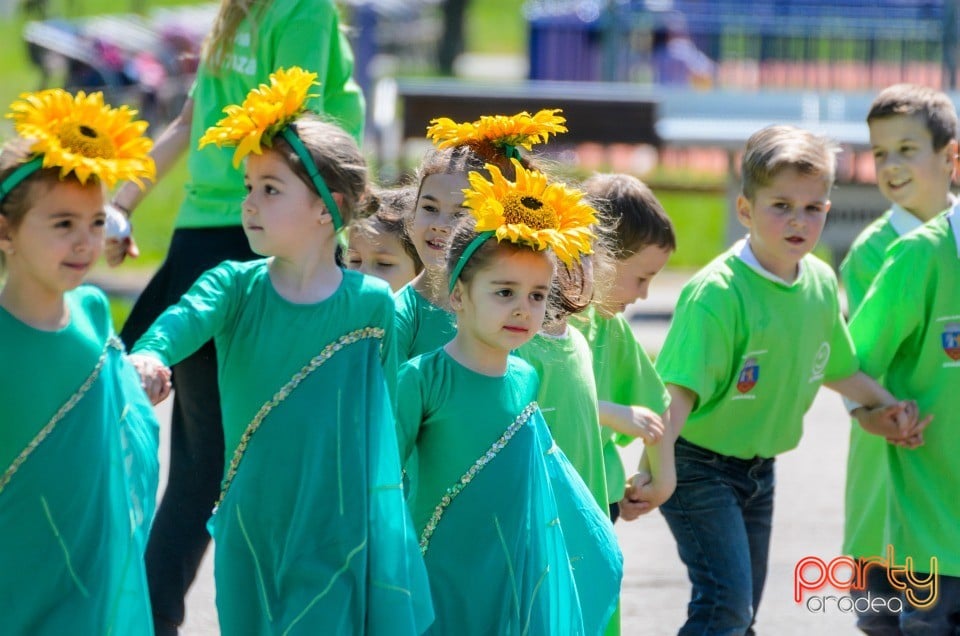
(424, 321)
(512, 539)
(78, 440)
(379, 244)
(311, 530)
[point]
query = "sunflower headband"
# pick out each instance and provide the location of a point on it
(504, 132)
(80, 135)
(527, 212)
(269, 111)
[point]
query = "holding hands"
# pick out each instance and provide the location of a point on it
(899, 423)
(154, 376)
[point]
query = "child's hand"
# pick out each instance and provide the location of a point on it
(116, 250)
(899, 423)
(154, 377)
(643, 494)
(639, 421)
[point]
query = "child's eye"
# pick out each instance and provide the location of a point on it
(538, 297)
(427, 207)
(64, 224)
(907, 150)
(269, 189)
(879, 155)
(99, 222)
(504, 293)
(248, 188)
(383, 265)
(781, 205)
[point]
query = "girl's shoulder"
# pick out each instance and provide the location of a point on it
(90, 306)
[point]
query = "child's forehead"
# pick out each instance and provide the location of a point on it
(897, 127)
(790, 181)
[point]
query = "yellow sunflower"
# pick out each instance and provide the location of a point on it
(85, 136)
(264, 112)
(520, 130)
(532, 212)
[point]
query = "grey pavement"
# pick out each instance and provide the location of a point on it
(808, 520)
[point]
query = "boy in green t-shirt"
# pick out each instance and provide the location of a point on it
(632, 399)
(913, 131)
(755, 334)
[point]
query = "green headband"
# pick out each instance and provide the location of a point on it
(315, 176)
(512, 152)
(479, 240)
(18, 175)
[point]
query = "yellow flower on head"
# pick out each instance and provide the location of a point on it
(532, 211)
(521, 130)
(264, 113)
(83, 135)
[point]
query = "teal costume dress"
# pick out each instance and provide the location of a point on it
(311, 531)
(421, 325)
(78, 451)
(513, 541)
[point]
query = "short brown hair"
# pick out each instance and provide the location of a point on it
(934, 109)
(630, 215)
(773, 149)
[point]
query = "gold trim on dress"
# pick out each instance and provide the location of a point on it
(282, 394)
(472, 472)
(44, 432)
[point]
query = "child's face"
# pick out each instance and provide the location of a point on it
(380, 254)
(909, 172)
(504, 304)
(281, 215)
(633, 276)
(785, 219)
(439, 207)
(58, 240)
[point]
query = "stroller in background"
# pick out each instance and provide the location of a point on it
(147, 62)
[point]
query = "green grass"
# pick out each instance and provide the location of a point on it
(700, 222)
(496, 26)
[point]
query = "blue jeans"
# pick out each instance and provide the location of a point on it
(879, 622)
(943, 619)
(720, 516)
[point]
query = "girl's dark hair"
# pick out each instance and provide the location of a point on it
(336, 155)
(390, 210)
(630, 214)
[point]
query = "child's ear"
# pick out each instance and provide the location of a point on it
(951, 157)
(325, 215)
(744, 211)
(456, 296)
(6, 238)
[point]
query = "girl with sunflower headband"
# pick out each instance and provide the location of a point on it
(310, 529)
(249, 40)
(512, 539)
(78, 439)
(424, 321)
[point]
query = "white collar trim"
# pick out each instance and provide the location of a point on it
(744, 252)
(953, 217)
(902, 221)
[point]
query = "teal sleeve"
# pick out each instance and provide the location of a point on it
(409, 410)
(199, 316)
(890, 313)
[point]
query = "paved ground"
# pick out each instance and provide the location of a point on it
(808, 520)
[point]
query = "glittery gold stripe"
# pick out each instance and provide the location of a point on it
(281, 395)
(44, 432)
(472, 472)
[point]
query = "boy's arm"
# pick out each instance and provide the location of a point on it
(881, 413)
(656, 478)
(632, 421)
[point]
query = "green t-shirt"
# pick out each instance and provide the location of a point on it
(421, 325)
(568, 400)
(865, 500)
(303, 33)
(624, 375)
(907, 330)
(263, 339)
(755, 351)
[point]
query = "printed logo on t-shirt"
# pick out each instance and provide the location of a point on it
(820, 362)
(950, 341)
(748, 378)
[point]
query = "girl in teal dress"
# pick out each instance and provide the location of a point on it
(424, 318)
(78, 439)
(311, 532)
(513, 541)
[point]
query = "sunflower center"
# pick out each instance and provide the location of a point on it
(530, 211)
(86, 141)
